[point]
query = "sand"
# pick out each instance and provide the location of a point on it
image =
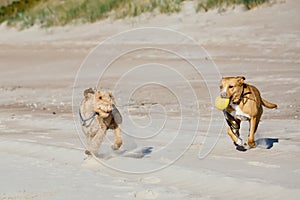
(164, 71)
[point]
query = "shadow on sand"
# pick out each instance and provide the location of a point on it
(263, 143)
(266, 143)
(136, 153)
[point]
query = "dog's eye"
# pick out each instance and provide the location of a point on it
(230, 86)
(100, 97)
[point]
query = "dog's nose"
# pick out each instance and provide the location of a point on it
(223, 94)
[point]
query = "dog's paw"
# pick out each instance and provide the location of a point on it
(246, 146)
(251, 144)
(239, 142)
(241, 148)
(115, 147)
(87, 152)
(117, 144)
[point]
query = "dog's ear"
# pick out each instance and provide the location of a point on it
(88, 92)
(111, 96)
(241, 79)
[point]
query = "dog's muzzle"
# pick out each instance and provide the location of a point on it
(223, 94)
(107, 108)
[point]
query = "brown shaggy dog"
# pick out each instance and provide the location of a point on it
(98, 113)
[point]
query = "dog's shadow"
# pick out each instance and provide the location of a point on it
(263, 143)
(266, 143)
(135, 153)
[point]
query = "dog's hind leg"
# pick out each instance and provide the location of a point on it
(253, 127)
(118, 140)
(253, 123)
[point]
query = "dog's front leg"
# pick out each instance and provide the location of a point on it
(235, 137)
(96, 141)
(118, 140)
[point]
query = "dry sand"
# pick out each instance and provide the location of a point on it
(175, 142)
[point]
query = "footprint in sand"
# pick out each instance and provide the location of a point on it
(146, 194)
(150, 180)
(92, 164)
(261, 164)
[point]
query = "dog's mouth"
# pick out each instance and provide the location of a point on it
(104, 110)
(231, 97)
(225, 95)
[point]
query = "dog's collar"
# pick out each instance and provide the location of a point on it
(87, 122)
(242, 95)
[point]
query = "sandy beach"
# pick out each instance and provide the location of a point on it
(164, 71)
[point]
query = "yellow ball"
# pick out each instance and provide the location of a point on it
(221, 103)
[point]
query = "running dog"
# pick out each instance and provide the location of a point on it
(98, 113)
(245, 104)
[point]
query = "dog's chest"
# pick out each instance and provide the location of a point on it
(238, 113)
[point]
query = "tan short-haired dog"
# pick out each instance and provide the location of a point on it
(245, 104)
(98, 113)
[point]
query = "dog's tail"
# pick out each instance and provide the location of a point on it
(268, 104)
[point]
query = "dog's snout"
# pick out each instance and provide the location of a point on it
(223, 94)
